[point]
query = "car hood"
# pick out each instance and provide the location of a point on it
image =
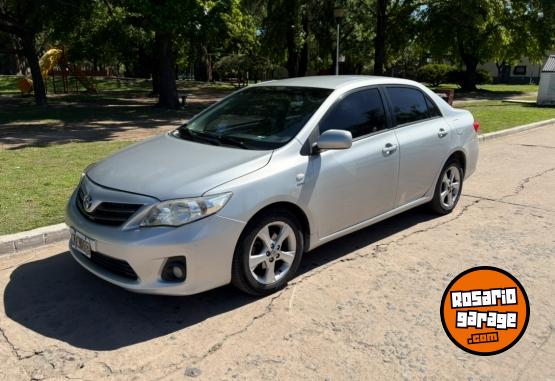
(167, 168)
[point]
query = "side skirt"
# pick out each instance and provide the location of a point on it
(363, 224)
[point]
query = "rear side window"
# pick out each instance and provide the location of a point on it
(361, 113)
(433, 111)
(409, 105)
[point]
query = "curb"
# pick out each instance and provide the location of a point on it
(514, 130)
(31, 239)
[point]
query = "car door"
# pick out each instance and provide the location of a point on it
(356, 184)
(424, 141)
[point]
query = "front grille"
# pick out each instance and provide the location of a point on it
(107, 213)
(113, 265)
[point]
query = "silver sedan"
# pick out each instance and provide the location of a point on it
(239, 193)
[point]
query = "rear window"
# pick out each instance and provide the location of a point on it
(409, 105)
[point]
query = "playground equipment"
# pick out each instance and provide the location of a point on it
(53, 63)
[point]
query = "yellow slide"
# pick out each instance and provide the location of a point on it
(47, 62)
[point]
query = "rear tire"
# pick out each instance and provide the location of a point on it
(268, 253)
(448, 188)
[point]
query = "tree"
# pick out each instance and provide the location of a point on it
(219, 28)
(166, 20)
(25, 19)
(475, 31)
(285, 31)
(109, 37)
(16, 20)
(394, 28)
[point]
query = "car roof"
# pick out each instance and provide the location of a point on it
(336, 81)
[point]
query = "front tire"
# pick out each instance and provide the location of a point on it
(448, 188)
(268, 253)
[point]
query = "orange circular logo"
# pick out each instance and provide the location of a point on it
(485, 310)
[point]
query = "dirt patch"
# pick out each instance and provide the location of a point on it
(93, 118)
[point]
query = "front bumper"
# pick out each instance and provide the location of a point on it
(208, 246)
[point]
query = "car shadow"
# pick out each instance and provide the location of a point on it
(56, 298)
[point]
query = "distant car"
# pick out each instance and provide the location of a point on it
(239, 193)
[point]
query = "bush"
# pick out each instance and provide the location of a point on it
(483, 77)
(434, 74)
(459, 77)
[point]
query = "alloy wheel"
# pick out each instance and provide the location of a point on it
(272, 252)
(450, 187)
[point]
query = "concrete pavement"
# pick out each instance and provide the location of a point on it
(364, 307)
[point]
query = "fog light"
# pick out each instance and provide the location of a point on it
(178, 272)
(175, 270)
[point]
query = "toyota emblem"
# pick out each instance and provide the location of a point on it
(88, 203)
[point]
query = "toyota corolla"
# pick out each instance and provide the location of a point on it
(272, 171)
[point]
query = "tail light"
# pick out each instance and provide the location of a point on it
(476, 126)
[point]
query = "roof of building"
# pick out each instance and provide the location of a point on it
(549, 65)
(334, 81)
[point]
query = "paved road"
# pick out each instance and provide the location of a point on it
(364, 307)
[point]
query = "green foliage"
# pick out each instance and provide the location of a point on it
(481, 77)
(481, 30)
(108, 37)
(434, 74)
(238, 65)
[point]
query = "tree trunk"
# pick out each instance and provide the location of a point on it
(207, 60)
(166, 81)
(469, 79)
(30, 53)
(501, 70)
(202, 63)
(292, 54)
(379, 40)
(154, 68)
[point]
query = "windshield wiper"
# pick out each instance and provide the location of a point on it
(197, 136)
(232, 141)
(213, 139)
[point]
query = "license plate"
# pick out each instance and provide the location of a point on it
(82, 243)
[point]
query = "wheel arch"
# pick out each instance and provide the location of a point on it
(460, 156)
(292, 208)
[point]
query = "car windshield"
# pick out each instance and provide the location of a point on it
(257, 118)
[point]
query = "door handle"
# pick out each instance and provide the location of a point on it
(389, 148)
(442, 133)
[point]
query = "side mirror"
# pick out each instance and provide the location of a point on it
(333, 139)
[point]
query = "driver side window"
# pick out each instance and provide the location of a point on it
(362, 113)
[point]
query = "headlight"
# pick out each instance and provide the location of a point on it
(184, 211)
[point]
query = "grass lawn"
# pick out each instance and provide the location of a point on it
(510, 88)
(499, 115)
(37, 182)
(8, 83)
(80, 108)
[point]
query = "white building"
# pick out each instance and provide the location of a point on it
(524, 72)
